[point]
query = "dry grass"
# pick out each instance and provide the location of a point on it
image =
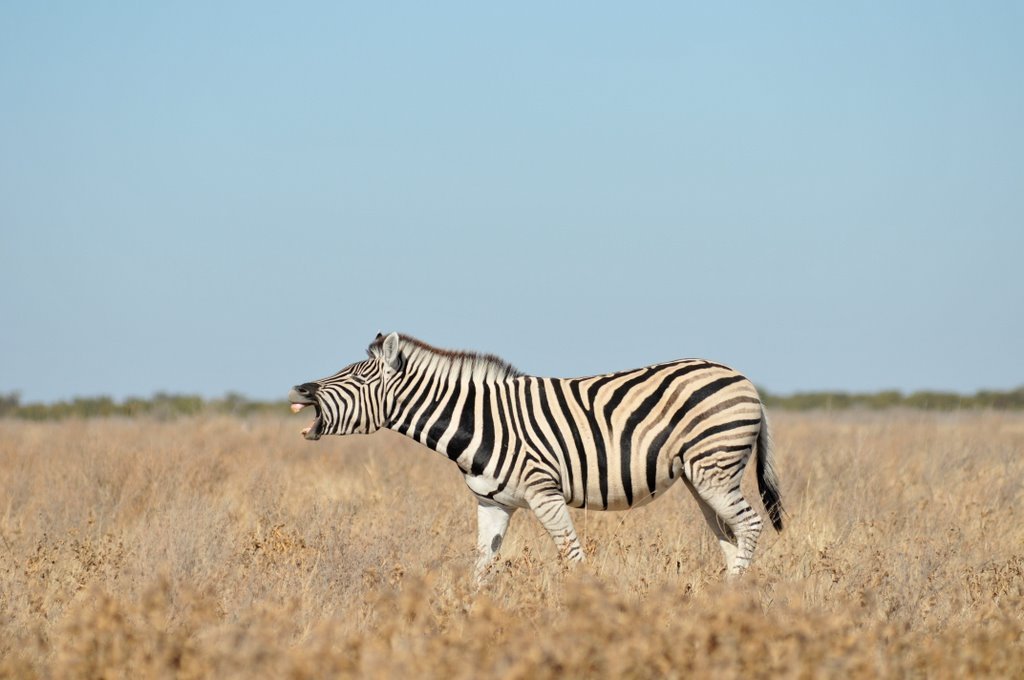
(232, 548)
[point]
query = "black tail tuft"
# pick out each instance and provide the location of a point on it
(767, 482)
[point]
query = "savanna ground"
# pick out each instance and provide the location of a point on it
(231, 548)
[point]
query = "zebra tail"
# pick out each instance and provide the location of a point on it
(767, 481)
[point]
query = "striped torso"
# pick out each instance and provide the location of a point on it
(608, 442)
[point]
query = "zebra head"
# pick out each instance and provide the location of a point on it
(354, 400)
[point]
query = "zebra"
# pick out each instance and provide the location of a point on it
(607, 442)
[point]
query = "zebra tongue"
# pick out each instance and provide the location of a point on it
(298, 407)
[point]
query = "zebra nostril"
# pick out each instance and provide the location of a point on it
(306, 389)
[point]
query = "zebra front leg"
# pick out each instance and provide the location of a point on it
(553, 513)
(491, 524)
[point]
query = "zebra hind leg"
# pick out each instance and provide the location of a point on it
(727, 511)
(721, 530)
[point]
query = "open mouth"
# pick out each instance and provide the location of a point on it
(315, 429)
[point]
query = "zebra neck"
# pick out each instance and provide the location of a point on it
(443, 407)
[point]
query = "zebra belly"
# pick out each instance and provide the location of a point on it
(483, 485)
(618, 500)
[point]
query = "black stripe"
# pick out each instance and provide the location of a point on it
(624, 451)
(719, 449)
(563, 450)
(543, 445)
(506, 437)
(598, 383)
(407, 415)
(333, 406)
(428, 409)
(483, 453)
(519, 458)
(464, 432)
(715, 430)
(599, 446)
(718, 408)
(524, 432)
(557, 388)
(728, 466)
(620, 393)
(445, 419)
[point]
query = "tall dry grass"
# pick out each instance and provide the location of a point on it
(220, 547)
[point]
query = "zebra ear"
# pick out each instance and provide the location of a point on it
(391, 354)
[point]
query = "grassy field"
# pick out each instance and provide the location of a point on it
(231, 548)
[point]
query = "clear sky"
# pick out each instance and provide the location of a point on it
(203, 197)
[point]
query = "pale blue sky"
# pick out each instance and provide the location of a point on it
(202, 197)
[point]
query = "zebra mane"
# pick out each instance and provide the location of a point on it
(487, 365)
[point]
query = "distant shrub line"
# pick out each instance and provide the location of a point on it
(166, 406)
(160, 405)
(924, 400)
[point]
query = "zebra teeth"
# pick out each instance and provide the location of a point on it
(313, 432)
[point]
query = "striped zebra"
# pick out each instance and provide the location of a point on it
(608, 442)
